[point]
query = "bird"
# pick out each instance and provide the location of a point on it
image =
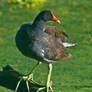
(44, 43)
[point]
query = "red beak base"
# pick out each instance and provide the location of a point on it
(54, 18)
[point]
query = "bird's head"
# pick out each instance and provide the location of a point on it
(48, 15)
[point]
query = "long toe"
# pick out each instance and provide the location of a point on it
(19, 82)
(40, 89)
(27, 84)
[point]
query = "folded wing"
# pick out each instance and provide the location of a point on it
(61, 37)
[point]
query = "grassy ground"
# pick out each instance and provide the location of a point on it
(74, 75)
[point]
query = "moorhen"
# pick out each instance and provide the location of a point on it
(43, 43)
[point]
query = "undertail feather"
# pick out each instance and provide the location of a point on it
(67, 44)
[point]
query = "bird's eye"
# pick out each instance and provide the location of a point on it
(49, 15)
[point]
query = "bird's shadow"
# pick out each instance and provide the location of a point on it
(10, 77)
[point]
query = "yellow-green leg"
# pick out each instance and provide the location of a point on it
(48, 80)
(49, 77)
(30, 76)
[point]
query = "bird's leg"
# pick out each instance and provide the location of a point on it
(48, 78)
(30, 76)
(48, 81)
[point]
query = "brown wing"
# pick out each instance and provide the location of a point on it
(54, 31)
(57, 53)
(54, 50)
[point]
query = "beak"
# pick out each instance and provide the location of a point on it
(55, 19)
(58, 21)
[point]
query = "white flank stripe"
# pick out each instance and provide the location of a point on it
(65, 44)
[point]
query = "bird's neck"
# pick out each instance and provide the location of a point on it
(39, 24)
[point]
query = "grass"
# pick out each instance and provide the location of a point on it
(74, 75)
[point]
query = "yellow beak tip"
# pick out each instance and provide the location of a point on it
(59, 21)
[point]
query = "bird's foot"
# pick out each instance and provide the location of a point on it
(40, 89)
(30, 77)
(49, 87)
(26, 79)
